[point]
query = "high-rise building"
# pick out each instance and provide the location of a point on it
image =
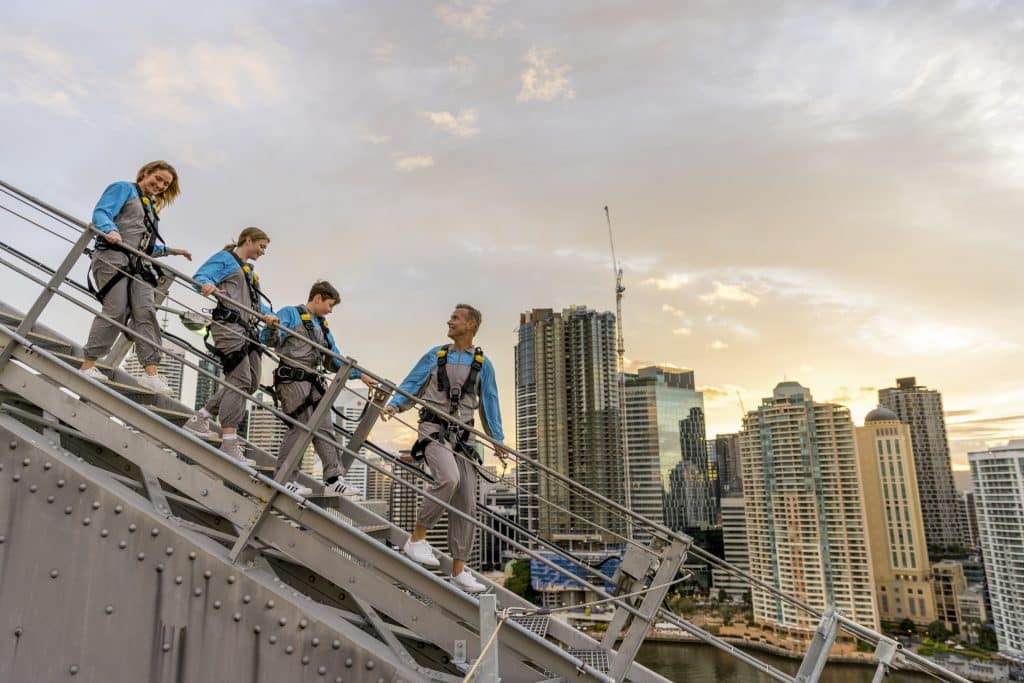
(265, 429)
(921, 409)
(899, 553)
(970, 540)
(500, 499)
(691, 502)
(948, 583)
(998, 478)
(170, 367)
(567, 414)
(804, 506)
(734, 539)
(351, 407)
(205, 386)
(658, 400)
(727, 456)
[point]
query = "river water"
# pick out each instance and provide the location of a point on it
(695, 663)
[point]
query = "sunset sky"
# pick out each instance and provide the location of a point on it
(827, 192)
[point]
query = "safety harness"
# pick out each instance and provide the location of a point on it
(451, 433)
(285, 374)
(137, 266)
(225, 315)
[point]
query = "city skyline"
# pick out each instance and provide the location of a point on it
(854, 203)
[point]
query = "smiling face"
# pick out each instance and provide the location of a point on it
(251, 250)
(460, 324)
(321, 307)
(156, 181)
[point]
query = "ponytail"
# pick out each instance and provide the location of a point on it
(254, 234)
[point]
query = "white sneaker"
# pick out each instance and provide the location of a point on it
(200, 426)
(156, 383)
(95, 373)
(343, 488)
(298, 489)
(466, 582)
(421, 552)
(234, 450)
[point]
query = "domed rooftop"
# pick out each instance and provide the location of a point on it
(881, 414)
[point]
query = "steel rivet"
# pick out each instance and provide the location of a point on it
(122, 544)
(197, 592)
(314, 642)
(87, 521)
(73, 669)
(216, 604)
(270, 604)
(348, 662)
(288, 650)
(33, 488)
(369, 665)
(168, 551)
(104, 533)
(237, 616)
(67, 510)
(338, 680)
(60, 483)
(12, 445)
(303, 623)
(231, 579)
(26, 462)
(47, 465)
(322, 670)
(305, 659)
(154, 532)
(50, 499)
(81, 487)
(192, 556)
(160, 568)
(16, 477)
(282, 621)
(109, 609)
(18, 631)
(178, 580)
(132, 528)
(141, 556)
(246, 599)
(166, 647)
(273, 639)
(118, 509)
(2, 539)
(204, 493)
(336, 644)
(207, 574)
(54, 573)
(95, 505)
(256, 628)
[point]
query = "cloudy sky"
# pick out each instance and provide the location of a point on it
(827, 192)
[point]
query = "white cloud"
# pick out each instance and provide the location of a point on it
(462, 126)
(182, 84)
(672, 310)
(409, 164)
(40, 75)
(375, 139)
(470, 17)
(718, 345)
(900, 336)
(736, 293)
(682, 331)
(671, 281)
(543, 79)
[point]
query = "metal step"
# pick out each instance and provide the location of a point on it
(535, 624)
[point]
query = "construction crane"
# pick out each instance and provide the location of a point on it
(621, 350)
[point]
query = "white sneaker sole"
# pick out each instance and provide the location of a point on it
(433, 562)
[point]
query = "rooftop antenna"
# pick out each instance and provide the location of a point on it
(621, 350)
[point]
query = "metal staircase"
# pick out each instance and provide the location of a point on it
(132, 550)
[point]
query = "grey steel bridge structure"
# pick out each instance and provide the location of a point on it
(130, 550)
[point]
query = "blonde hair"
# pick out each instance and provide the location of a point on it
(171, 191)
(254, 234)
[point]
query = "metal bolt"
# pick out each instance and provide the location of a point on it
(95, 505)
(16, 477)
(2, 539)
(192, 556)
(237, 616)
(26, 462)
(207, 574)
(178, 580)
(118, 509)
(73, 669)
(305, 659)
(60, 483)
(273, 639)
(18, 631)
(132, 528)
(270, 604)
(216, 604)
(256, 628)
(154, 532)
(160, 568)
(109, 609)
(348, 662)
(197, 592)
(54, 573)
(288, 650)
(231, 578)
(67, 510)
(322, 670)
(247, 599)
(168, 551)
(282, 621)
(141, 556)
(370, 665)
(338, 680)
(104, 533)
(166, 647)
(87, 521)
(33, 488)
(122, 544)
(47, 465)
(303, 623)
(336, 644)
(50, 499)
(204, 493)
(12, 445)
(81, 487)
(314, 642)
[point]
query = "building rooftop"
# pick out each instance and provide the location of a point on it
(881, 414)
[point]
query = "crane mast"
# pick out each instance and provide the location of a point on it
(621, 365)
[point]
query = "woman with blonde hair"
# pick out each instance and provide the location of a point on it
(235, 329)
(127, 214)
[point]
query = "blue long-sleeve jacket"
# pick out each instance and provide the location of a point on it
(292, 320)
(488, 386)
(110, 204)
(216, 269)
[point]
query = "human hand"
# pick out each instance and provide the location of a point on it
(502, 454)
(209, 288)
(388, 413)
(181, 252)
(112, 237)
(368, 381)
(271, 320)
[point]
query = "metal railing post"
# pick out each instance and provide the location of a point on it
(292, 458)
(821, 645)
(488, 672)
(56, 280)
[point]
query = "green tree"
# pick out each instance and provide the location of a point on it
(519, 582)
(723, 596)
(937, 631)
(907, 626)
(987, 639)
